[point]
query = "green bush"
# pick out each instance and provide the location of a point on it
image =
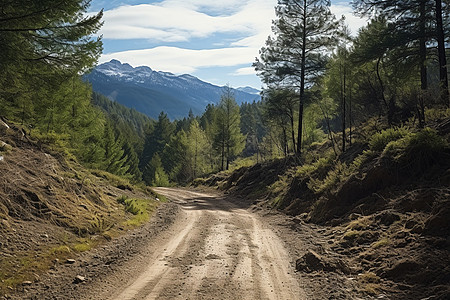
(379, 140)
(133, 206)
(436, 114)
(319, 167)
(122, 199)
(418, 151)
(363, 158)
(338, 174)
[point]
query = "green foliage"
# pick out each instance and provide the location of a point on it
(316, 169)
(188, 153)
(312, 132)
(437, 114)
(132, 162)
(131, 205)
(126, 121)
(139, 208)
(157, 137)
(418, 151)
(113, 179)
(253, 127)
(243, 162)
(43, 48)
(279, 188)
(379, 140)
(338, 174)
(362, 159)
(114, 159)
(154, 173)
(228, 139)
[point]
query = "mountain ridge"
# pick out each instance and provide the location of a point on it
(151, 92)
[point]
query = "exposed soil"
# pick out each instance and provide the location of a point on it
(204, 246)
(52, 209)
(382, 234)
(388, 242)
(103, 269)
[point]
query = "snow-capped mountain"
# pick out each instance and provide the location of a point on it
(249, 90)
(151, 92)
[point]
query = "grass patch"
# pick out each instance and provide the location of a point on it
(379, 140)
(370, 282)
(84, 245)
(115, 180)
(319, 168)
(359, 224)
(381, 243)
(243, 162)
(362, 159)
(351, 235)
(418, 151)
(436, 114)
(141, 209)
(338, 174)
(279, 188)
(26, 265)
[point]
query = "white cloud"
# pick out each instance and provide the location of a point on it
(176, 20)
(171, 21)
(179, 60)
(244, 71)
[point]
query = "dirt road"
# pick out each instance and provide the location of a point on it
(214, 251)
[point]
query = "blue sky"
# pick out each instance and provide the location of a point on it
(214, 40)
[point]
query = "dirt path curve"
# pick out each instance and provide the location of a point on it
(214, 251)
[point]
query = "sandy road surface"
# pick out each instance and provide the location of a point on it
(215, 251)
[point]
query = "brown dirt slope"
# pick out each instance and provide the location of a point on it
(51, 208)
(387, 224)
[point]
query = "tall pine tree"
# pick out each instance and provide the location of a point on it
(303, 30)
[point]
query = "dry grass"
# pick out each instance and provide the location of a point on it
(360, 223)
(370, 283)
(51, 195)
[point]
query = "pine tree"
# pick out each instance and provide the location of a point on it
(154, 173)
(440, 36)
(280, 109)
(295, 56)
(197, 149)
(43, 44)
(228, 138)
(412, 25)
(157, 137)
(132, 162)
(208, 122)
(114, 158)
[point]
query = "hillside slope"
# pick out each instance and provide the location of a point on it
(382, 208)
(51, 208)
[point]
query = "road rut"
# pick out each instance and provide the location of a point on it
(215, 251)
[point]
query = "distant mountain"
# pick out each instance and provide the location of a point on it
(151, 92)
(249, 90)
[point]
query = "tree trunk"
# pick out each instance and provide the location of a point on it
(422, 61)
(195, 159)
(350, 113)
(292, 130)
(389, 105)
(228, 155)
(343, 108)
(330, 133)
(443, 75)
(302, 84)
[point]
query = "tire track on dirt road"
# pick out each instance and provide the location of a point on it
(218, 251)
